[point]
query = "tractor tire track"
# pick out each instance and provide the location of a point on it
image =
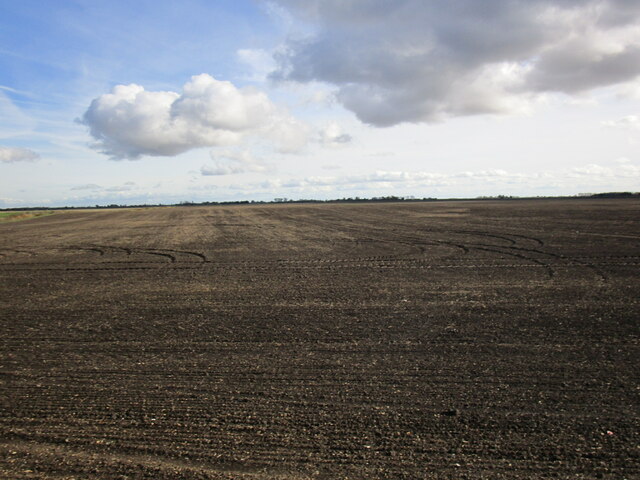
(98, 250)
(563, 258)
(489, 235)
(23, 252)
(199, 255)
(514, 246)
(492, 248)
(171, 257)
(526, 237)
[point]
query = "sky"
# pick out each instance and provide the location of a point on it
(132, 102)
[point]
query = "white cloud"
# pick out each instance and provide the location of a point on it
(98, 189)
(14, 154)
(221, 169)
(388, 178)
(231, 162)
(630, 122)
(415, 61)
(333, 136)
(591, 170)
(260, 61)
(617, 177)
(130, 122)
(622, 170)
(125, 187)
(87, 186)
(630, 90)
(381, 154)
(288, 134)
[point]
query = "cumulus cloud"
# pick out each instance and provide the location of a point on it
(130, 122)
(14, 154)
(394, 61)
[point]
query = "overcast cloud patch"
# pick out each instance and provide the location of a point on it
(415, 61)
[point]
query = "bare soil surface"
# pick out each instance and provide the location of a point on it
(477, 340)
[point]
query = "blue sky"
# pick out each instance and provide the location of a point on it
(135, 102)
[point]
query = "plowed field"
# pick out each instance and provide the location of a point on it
(494, 340)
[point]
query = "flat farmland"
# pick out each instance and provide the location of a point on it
(444, 340)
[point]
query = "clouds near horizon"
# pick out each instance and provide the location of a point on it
(413, 61)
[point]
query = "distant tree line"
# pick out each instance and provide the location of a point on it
(390, 198)
(615, 195)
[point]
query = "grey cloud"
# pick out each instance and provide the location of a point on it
(95, 188)
(221, 169)
(574, 69)
(127, 187)
(344, 138)
(415, 61)
(88, 186)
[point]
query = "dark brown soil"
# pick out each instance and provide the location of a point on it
(478, 340)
